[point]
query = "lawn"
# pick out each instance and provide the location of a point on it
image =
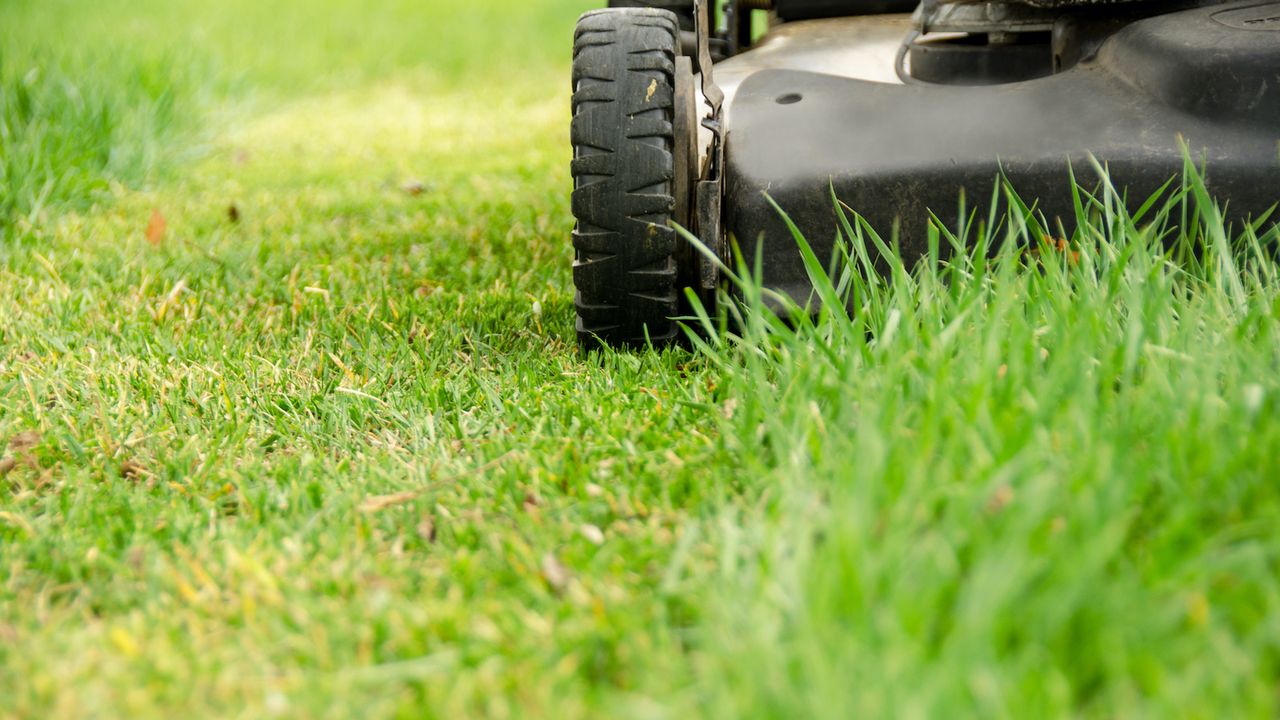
(292, 421)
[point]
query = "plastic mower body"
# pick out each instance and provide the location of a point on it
(902, 111)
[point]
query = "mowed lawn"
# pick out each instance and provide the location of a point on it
(292, 421)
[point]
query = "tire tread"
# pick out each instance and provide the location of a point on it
(622, 132)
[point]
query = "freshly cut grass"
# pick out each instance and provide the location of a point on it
(319, 443)
(335, 453)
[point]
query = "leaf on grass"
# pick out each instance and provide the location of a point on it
(999, 500)
(24, 441)
(137, 558)
(593, 534)
(156, 228)
(730, 407)
(1060, 245)
(427, 530)
(554, 572)
(374, 503)
(21, 445)
(132, 470)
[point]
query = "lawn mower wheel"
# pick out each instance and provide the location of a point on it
(632, 171)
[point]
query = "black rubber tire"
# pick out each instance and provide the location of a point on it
(682, 8)
(624, 266)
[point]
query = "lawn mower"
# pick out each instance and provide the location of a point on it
(702, 118)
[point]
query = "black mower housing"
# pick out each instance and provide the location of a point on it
(1207, 77)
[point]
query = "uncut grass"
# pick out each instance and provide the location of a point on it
(95, 95)
(1036, 485)
(73, 122)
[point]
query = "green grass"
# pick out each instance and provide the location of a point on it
(339, 457)
(69, 127)
(1038, 485)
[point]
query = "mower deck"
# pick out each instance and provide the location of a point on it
(893, 151)
(860, 47)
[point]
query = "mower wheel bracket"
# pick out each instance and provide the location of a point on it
(702, 64)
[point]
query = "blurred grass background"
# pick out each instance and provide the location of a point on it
(116, 91)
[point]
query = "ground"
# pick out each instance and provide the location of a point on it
(293, 423)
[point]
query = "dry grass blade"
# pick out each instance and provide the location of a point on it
(382, 502)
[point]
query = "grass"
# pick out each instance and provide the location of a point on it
(335, 454)
(1038, 485)
(68, 127)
